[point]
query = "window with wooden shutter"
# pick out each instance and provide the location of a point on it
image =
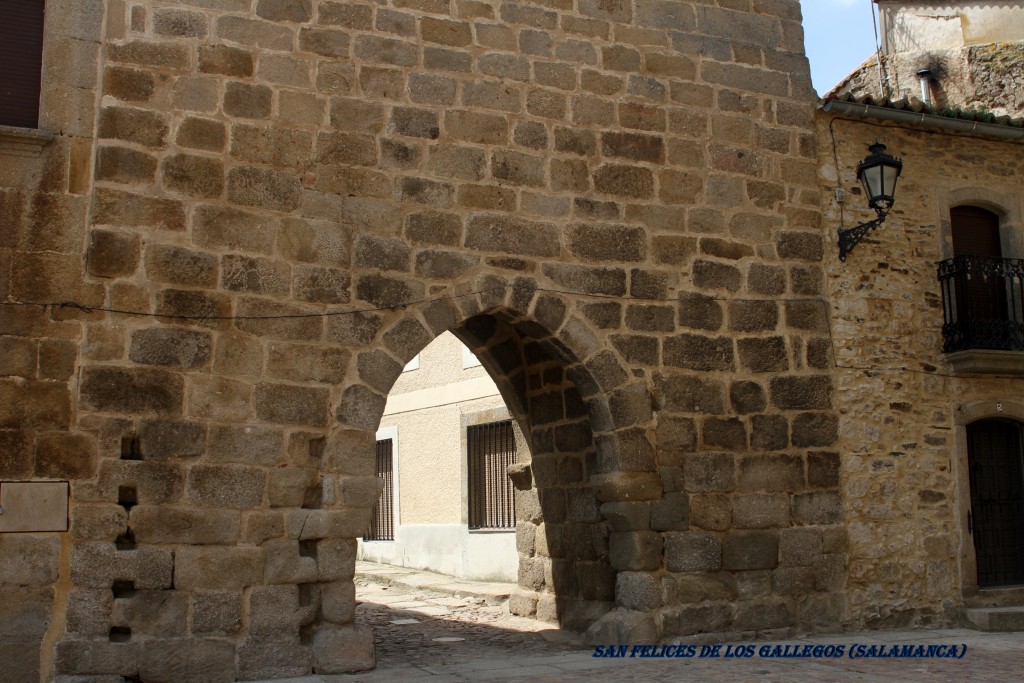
(21, 53)
(491, 449)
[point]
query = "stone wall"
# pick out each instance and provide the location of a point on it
(264, 208)
(45, 190)
(902, 409)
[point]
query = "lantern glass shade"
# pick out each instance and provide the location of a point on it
(879, 173)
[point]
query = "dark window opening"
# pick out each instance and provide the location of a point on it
(491, 448)
(21, 53)
(382, 526)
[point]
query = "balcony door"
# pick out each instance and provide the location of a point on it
(996, 465)
(981, 301)
(975, 232)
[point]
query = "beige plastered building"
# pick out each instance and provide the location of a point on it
(440, 394)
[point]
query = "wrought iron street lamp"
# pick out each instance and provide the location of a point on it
(878, 173)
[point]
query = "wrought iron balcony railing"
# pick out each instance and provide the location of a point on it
(983, 303)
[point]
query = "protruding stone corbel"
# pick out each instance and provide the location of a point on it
(521, 475)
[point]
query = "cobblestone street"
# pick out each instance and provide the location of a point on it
(461, 631)
(426, 629)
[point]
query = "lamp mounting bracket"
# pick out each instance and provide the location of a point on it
(848, 239)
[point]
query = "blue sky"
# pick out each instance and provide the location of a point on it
(839, 36)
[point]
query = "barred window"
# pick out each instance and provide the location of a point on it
(491, 448)
(21, 53)
(382, 527)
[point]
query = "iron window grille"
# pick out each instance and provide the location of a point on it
(382, 526)
(491, 449)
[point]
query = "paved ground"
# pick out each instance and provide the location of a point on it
(436, 629)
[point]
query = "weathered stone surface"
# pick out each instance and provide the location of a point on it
(693, 551)
(263, 188)
(747, 397)
(234, 229)
(125, 209)
(273, 656)
(743, 550)
(216, 612)
(217, 568)
(171, 439)
(99, 565)
(136, 390)
(193, 176)
(624, 181)
(360, 407)
(225, 60)
(170, 347)
(506, 234)
(127, 84)
(170, 524)
(152, 613)
(253, 444)
(89, 656)
(344, 451)
(635, 550)
(671, 513)
(219, 398)
(770, 473)
(179, 266)
(802, 393)
(638, 591)
(343, 649)
(622, 627)
(822, 507)
(289, 404)
(303, 363)
(124, 165)
(231, 486)
(695, 352)
(705, 472)
(763, 354)
(607, 243)
(815, 429)
(62, 455)
(267, 318)
(187, 660)
(27, 561)
(139, 126)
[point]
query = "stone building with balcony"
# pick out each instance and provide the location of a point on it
(927, 316)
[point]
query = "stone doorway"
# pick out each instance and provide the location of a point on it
(996, 519)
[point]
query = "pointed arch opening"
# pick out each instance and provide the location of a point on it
(577, 422)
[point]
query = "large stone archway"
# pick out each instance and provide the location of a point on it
(577, 414)
(258, 210)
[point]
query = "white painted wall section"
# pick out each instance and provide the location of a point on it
(449, 549)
